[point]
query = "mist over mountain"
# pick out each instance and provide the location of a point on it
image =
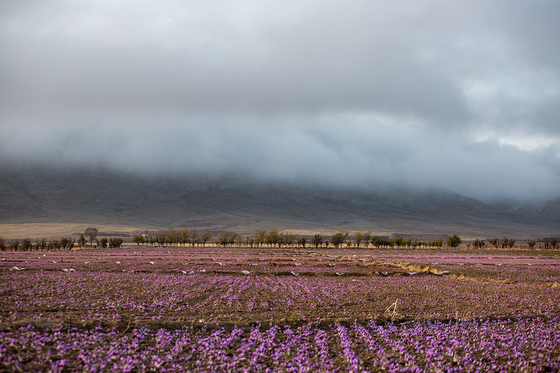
(34, 195)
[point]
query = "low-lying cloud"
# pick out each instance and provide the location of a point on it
(340, 154)
(463, 96)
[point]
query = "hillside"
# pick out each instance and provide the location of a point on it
(119, 200)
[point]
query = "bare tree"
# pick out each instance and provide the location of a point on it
(494, 242)
(478, 244)
(194, 238)
(206, 237)
(358, 237)
(115, 242)
(151, 239)
(26, 244)
(56, 244)
(14, 245)
(317, 240)
(161, 238)
(2, 244)
(504, 243)
(232, 238)
(531, 244)
(272, 237)
(550, 244)
(367, 239)
(250, 241)
(185, 237)
(92, 234)
(289, 239)
(171, 238)
(81, 240)
(259, 237)
(302, 241)
(227, 238)
(281, 240)
(239, 240)
(41, 244)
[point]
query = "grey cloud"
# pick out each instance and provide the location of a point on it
(354, 155)
(329, 57)
(415, 92)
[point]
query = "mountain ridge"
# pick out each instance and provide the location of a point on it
(105, 197)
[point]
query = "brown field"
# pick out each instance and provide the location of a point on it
(207, 309)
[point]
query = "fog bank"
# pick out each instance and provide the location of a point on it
(463, 96)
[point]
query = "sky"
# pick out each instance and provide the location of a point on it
(459, 95)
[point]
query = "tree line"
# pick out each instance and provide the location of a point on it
(275, 238)
(547, 244)
(261, 238)
(64, 243)
(173, 237)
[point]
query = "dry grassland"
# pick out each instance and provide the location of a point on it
(56, 230)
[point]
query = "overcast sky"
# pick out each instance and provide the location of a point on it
(463, 95)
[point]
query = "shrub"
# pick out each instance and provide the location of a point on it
(478, 244)
(338, 238)
(115, 242)
(454, 241)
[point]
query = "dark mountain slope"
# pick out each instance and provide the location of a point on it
(38, 195)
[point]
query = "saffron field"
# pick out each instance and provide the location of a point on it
(241, 309)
